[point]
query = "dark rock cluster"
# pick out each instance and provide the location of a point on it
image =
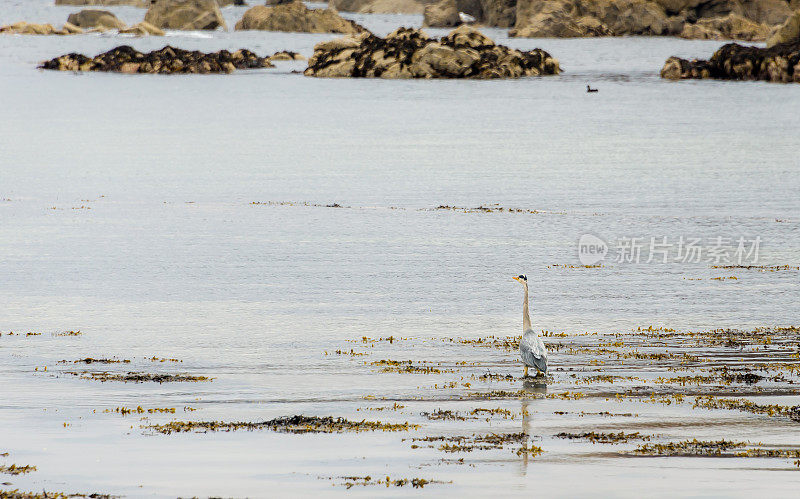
(780, 63)
(126, 59)
(410, 53)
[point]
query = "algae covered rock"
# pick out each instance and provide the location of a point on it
(410, 53)
(168, 60)
(780, 64)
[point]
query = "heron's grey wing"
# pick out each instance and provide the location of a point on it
(533, 351)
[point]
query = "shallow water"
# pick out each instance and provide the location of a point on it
(127, 214)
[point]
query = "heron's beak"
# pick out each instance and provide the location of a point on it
(516, 278)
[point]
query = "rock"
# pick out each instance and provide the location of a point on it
(296, 17)
(143, 29)
(23, 28)
(410, 53)
(571, 18)
(678, 6)
(443, 14)
(780, 63)
(90, 18)
(278, 2)
(133, 3)
(379, 6)
(168, 60)
(72, 29)
(500, 13)
(185, 15)
(730, 27)
(788, 32)
(770, 12)
(285, 55)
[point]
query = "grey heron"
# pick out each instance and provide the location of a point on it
(531, 346)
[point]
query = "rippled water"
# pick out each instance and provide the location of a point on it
(127, 214)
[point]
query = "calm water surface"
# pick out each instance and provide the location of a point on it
(127, 213)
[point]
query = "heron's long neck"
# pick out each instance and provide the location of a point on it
(526, 319)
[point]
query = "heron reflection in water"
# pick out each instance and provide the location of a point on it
(536, 386)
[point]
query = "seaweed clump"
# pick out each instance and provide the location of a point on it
(138, 377)
(286, 424)
(16, 470)
(168, 60)
(605, 438)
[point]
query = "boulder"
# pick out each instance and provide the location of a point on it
(473, 8)
(185, 15)
(23, 28)
(770, 12)
(379, 6)
(500, 13)
(787, 33)
(410, 53)
(133, 3)
(571, 18)
(677, 6)
(285, 55)
(296, 17)
(730, 27)
(143, 29)
(168, 60)
(72, 29)
(90, 18)
(443, 14)
(780, 64)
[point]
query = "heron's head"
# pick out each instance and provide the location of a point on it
(521, 279)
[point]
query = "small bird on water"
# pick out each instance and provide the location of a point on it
(590, 89)
(531, 347)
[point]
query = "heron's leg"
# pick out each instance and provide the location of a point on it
(526, 371)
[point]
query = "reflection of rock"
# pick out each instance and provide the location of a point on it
(780, 63)
(90, 18)
(379, 6)
(443, 14)
(788, 32)
(168, 60)
(185, 15)
(296, 17)
(732, 26)
(133, 3)
(410, 53)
